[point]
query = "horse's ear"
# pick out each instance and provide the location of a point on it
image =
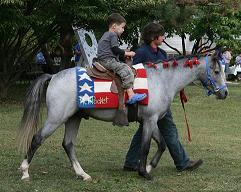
(215, 55)
(213, 60)
(216, 58)
(218, 53)
(214, 64)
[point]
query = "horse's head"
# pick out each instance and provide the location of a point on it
(214, 78)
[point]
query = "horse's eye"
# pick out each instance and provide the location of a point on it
(216, 72)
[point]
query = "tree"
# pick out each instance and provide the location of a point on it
(17, 43)
(27, 26)
(220, 24)
(204, 21)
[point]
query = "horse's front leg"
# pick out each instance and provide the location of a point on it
(148, 126)
(157, 136)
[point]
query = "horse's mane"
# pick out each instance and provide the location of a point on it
(214, 57)
(178, 58)
(198, 56)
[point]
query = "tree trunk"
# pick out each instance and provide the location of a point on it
(183, 44)
(3, 90)
(196, 46)
(66, 37)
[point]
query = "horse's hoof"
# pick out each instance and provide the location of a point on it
(148, 168)
(25, 179)
(84, 178)
(146, 175)
(88, 179)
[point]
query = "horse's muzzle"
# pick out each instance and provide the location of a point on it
(221, 94)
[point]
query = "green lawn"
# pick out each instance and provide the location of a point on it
(101, 148)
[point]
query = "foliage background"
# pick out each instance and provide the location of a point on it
(29, 26)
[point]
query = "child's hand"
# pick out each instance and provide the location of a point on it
(130, 53)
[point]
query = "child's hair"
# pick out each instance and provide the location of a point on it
(152, 31)
(115, 18)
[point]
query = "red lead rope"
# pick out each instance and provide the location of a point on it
(183, 99)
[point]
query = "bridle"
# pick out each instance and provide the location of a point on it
(210, 83)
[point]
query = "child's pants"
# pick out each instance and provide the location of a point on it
(121, 69)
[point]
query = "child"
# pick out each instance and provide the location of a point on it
(108, 55)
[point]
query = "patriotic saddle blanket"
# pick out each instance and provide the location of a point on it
(96, 93)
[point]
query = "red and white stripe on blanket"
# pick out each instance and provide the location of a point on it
(104, 98)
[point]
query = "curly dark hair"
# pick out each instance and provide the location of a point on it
(115, 18)
(152, 31)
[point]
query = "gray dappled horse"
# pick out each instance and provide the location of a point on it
(62, 108)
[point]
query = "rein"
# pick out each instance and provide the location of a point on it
(183, 99)
(210, 84)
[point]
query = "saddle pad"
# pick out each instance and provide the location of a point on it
(96, 93)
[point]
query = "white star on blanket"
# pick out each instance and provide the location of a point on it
(84, 76)
(85, 87)
(85, 98)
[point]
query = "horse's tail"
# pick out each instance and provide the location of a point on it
(30, 118)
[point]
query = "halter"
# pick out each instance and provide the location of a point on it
(210, 83)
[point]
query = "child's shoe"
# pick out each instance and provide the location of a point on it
(136, 97)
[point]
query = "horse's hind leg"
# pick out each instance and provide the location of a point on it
(157, 136)
(38, 139)
(71, 130)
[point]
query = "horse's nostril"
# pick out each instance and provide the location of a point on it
(226, 93)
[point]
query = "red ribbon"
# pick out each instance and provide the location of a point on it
(188, 63)
(166, 64)
(195, 61)
(175, 63)
(150, 64)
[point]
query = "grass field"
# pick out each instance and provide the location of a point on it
(101, 148)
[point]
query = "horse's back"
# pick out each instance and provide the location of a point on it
(63, 82)
(61, 93)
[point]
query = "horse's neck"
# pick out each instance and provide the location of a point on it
(182, 77)
(173, 80)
